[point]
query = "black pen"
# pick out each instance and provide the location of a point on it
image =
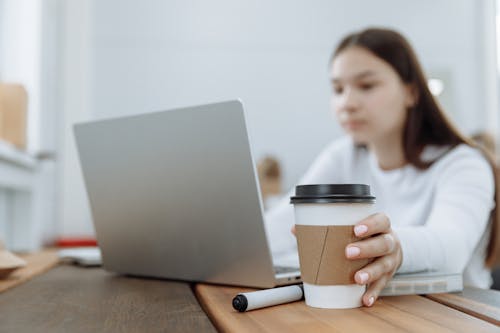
(268, 297)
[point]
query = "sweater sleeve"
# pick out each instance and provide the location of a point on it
(280, 219)
(459, 217)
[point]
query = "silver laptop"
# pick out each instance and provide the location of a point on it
(174, 194)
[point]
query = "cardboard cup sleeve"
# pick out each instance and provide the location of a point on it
(322, 254)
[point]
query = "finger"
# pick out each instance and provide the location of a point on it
(374, 290)
(375, 270)
(293, 230)
(372, 225)
(371, 247)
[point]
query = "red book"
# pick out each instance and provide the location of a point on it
(76, 242)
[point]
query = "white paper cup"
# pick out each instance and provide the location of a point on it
(331, 205)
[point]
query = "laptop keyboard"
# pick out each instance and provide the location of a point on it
(285, 269)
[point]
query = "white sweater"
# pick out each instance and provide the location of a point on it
(440, 214)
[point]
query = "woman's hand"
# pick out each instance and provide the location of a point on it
(380, 244)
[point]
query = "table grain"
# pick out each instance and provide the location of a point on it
(74, 299)
(480, 303)
(389, 314)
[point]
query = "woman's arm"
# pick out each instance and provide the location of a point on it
(459, 217)
(462, 205)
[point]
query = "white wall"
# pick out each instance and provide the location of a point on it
(76, 68)
(152, 55)
(2, 25)
(273, 55)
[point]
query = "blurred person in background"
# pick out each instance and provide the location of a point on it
(434, 188)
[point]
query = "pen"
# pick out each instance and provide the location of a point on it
(268, 297)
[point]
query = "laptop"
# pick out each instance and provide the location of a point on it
(175, 194)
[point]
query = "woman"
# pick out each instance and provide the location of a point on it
(435, 191)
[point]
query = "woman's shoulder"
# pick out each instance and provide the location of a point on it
(462, 153)
(463, 161)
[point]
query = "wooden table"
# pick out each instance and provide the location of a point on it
(389, 314)
(73, 299)
(480, 303)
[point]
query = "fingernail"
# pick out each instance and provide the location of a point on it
(363, 277)
(360, 229)
(352, 251)
(370, 301)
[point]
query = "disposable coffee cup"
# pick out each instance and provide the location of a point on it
(325, 216)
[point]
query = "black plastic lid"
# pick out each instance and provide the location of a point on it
(332, 193)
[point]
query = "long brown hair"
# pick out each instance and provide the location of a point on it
(425, 123)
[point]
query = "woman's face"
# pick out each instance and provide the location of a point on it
(369, 98)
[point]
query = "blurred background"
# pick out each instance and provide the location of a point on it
(63, 62)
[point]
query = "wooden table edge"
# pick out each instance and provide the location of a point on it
(37, 263)
(468, 306)
(208, 311)
(215, 315)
